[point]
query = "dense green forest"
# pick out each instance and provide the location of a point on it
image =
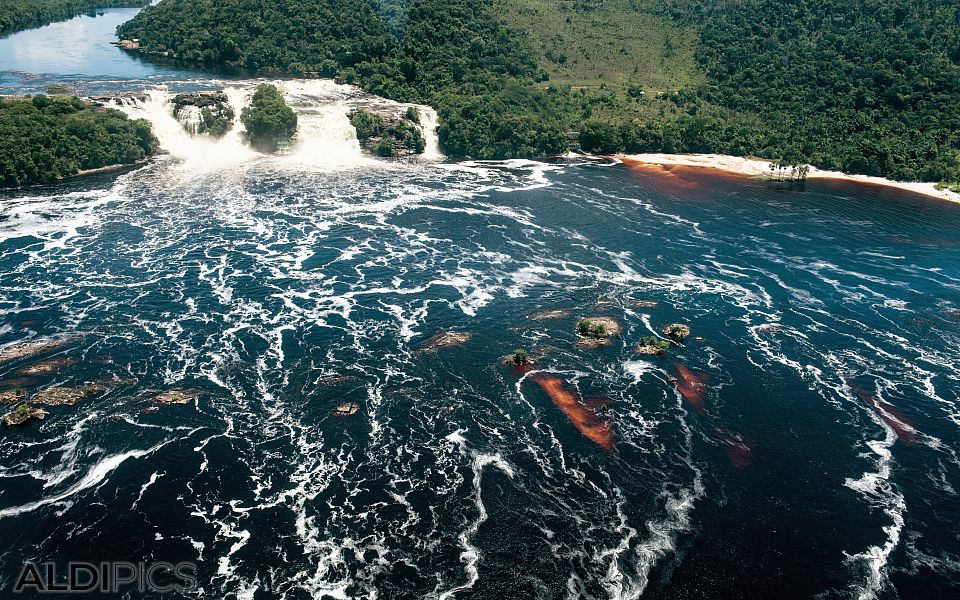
(268, 119)
(869, 86)
(44, 138)
(17, 15)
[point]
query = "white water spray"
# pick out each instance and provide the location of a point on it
(325, 138)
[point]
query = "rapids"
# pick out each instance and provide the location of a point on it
(802, 443)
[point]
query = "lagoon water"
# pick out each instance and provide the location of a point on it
(804, 443)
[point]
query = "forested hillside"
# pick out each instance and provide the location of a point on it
(16, 15)
(47, 137)
(871, 86)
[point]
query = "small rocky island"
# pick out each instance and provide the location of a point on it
(595, 332)
(204, 113)
(386, 133)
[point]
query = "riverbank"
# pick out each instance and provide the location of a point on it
(761, 168)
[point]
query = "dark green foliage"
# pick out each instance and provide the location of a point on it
(452, 54)
(268, 119)
(217, 124)
(870, 87)
(521, 356)
(48, 137)
(588, 328)
(398, 137)
(367, 124)
(17, 15)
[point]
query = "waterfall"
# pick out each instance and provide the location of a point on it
(190, 118)
(325, 138)
(428, 125)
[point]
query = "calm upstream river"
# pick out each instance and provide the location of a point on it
(803, 442)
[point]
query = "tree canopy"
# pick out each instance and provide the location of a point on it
(44, 138)
(871, 86)
(268, 119)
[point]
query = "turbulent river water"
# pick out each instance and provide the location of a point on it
(802, 443)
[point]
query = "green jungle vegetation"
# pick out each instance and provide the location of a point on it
(390, 138)
(871, 86)
(17, 15)
(45, 138)
(268, 119)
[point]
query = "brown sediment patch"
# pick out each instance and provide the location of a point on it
(597, 429)
(692, 386)
(446, 339)
(546, 315)
(47, 367)
(888, 414)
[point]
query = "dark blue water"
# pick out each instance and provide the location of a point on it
(803, 443)
(791, 478)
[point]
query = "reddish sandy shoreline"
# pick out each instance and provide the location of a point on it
(761, 168)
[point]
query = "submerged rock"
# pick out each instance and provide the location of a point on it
(643, 303)
(447, 339)
(19, 350)
(768, 328)
(23, 414)
(346, 409)
(176, 396)
(65, 396)
(46, 367)
(336, 379)
(546, 315)
(592, 342)
(676, 331)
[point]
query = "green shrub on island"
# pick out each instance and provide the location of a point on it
(45, 138)
(652, 345)
(521, 356)
(268, 119)
(586, 327)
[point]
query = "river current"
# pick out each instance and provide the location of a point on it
(803, 442)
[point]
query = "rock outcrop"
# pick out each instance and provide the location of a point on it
(389, 132)
(204, 113)
(447, 339)
(23, 414)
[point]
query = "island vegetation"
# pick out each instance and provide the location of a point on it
(17, 15)
(870, 87)
(389, 136)
(45, 138)
(269, 121)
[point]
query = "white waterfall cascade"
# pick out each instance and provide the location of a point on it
(325, 138)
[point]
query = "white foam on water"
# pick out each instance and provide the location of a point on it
(96, 475)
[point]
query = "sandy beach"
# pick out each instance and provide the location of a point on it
(759, 168)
